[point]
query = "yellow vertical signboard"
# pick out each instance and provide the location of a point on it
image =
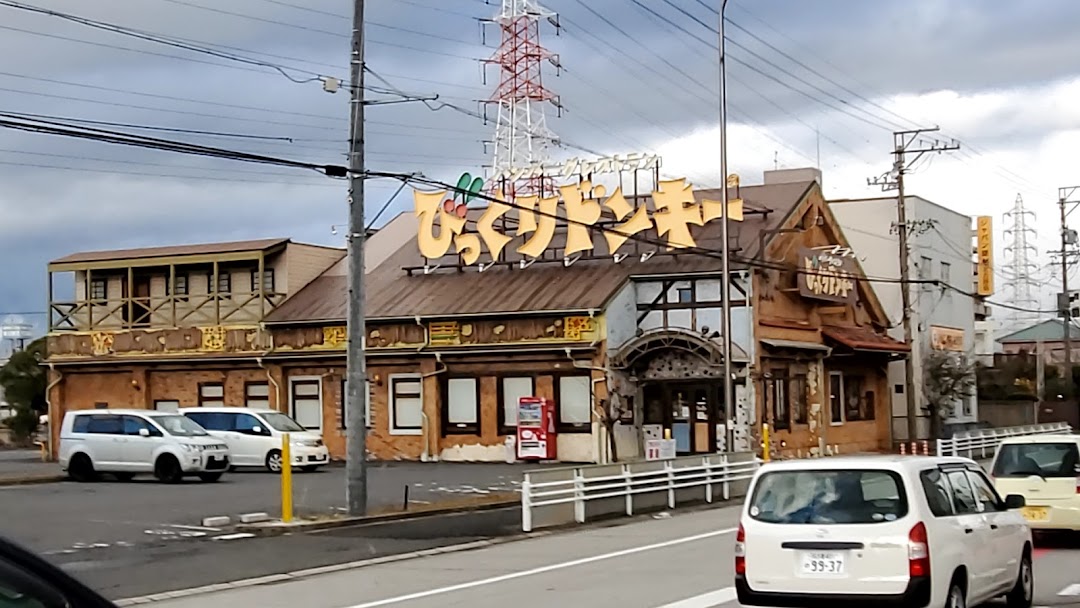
(984, 247)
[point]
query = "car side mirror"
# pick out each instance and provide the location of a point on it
(1014, 501)
(144, 432)
(257, 430)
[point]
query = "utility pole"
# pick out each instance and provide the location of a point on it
(905, 143)
(1068, 237)
(356, 372)
(725, 288)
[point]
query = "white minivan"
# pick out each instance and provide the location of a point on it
(881, 531)
(127, 442)
(254, 436)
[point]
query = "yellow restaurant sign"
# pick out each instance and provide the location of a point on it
(676, 210)
(984, 268)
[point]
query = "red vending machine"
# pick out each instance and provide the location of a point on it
(536, 429)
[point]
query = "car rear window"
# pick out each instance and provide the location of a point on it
(1042, 459)
(829, 497)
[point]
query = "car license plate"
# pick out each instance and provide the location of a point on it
(1036, 513)
(822, 563)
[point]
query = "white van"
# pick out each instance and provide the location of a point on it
(881, 530)
(254, 436)
(1045, 470)
(127, 442)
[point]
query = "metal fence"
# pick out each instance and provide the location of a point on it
(559, 496)
(982, 443)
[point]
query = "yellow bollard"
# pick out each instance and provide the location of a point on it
(286, 479)
(765, 442)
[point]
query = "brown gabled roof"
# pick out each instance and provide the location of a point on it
(172, 250)
(585, 285)
(863, 338)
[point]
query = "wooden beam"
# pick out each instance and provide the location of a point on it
(89, 297)
(49, 325)
(213, 289)
(130, 297)
(262, 286)
(170, 290)
(165, 260)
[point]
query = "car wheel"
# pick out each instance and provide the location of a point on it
(81, 469)
(210, 477)
(956, 596)
(1023, 593)
(273, 461)
(124, 476)
(167, 469)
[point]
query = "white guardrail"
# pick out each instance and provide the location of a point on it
(982, 443)
(560, 496)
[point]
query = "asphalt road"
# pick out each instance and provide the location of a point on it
(68, 517)
(681, 562)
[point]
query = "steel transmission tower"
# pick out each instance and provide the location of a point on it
(522, 138)
(1019, 255)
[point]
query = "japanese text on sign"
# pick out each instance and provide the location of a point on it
(825, 276)
(984, 269)
(676, 210)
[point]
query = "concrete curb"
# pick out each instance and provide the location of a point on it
(26, 480)
(277, 528)
(309, 572)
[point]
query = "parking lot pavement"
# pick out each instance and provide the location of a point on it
(22, 463)
(172, 563)
(61, 518)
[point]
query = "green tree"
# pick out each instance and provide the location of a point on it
(948, 378)
(23, 381)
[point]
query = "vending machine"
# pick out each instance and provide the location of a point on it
(536, 429)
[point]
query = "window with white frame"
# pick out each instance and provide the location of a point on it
(257, 394)
(574, 403)
(345, 404)
(461, 408)
(836, 397)
(305, 400)
(512, 390)
(406, 405)
(924, 268)
(167, 405)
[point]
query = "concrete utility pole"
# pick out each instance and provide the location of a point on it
(725, 265)
(1068, 237)
(356, 372)
(903, 144)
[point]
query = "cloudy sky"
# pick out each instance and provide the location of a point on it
(828, 79)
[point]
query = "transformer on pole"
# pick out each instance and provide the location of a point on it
(522, 138)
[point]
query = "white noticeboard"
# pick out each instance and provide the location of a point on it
(659, 449)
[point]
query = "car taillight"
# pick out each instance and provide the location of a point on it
(1078, 485)
(740, 551)
(918, 552)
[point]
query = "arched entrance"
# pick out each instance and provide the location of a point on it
(678, 378)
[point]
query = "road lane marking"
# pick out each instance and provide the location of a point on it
(543, 569)
(236, 536)
(195, 528)
(706, 600)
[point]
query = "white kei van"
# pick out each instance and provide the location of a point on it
(127, 442)
(1045, 470)
(254, 436)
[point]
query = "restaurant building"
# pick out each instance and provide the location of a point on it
(613, 312)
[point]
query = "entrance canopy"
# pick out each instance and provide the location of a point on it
(864, 340)
(651, 343)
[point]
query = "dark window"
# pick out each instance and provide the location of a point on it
(938, 492)
(224, 281)
(105, 424)
(511, 390)
(101, 406)
(899, 388)
(779, 406)
(211, 394)
(1044, 459)
(246, 423)
(461, 406)
(836, 398)
(179, 286)
(257, 395)
(829, 497)
(686, 295)
(797, 394)
(855, 400)
(81, 424)
(267, 280)
(213, 421)
(99, 289)
(962, 494)
(133, 424)
(985, 493)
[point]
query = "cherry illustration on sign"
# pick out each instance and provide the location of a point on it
(467, 188)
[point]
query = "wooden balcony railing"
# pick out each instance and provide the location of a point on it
(162, 311)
